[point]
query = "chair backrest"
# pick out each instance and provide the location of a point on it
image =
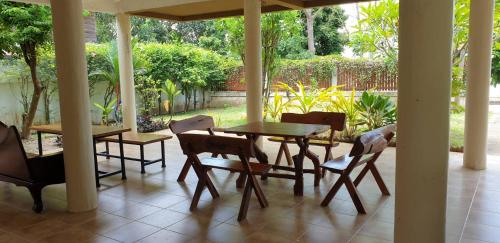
(13, 161)
(193, 144)
(335, 120)
(373, 142)
(199, 122)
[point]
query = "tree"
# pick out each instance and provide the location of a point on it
(322, 24)
(23, 28)
(275, 27)
(377, 31)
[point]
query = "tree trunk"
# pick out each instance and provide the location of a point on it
(194, 99)
(310, 30)
(203, 99)
(46, 100)
(29, 53)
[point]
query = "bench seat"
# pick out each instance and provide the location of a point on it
(137, 138)
(235, 165)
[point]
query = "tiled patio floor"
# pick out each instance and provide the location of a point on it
(154, 207)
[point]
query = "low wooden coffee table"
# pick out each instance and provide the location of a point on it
(140, 139)
(97, 132)
(300, 132)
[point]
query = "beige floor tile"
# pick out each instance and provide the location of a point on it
(131, 232)
(163, 218)
(166, 236)
(104, 222)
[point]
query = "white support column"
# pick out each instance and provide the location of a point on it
(478, 83)
(253, 60)
(425, 39)
(74, 102)
(127, 87)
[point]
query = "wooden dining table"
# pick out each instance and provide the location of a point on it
(98, 131)
(298, 131)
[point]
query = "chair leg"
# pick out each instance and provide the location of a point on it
(288, 156)
(354, 195)
(199, 189)
(328, 156)
(36, 194)
(245, 201)
(379, 180)
(240, 182)
(361, 175)
(332, 191)
(143, 170)
(258, 191)
(280, 154)
(184, 171)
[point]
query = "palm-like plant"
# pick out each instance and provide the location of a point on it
(106, 110)
(376, 110)
(347, 105)
(171, 91)
(306, 100)
(276, 108)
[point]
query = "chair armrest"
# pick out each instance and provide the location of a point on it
(47, 168)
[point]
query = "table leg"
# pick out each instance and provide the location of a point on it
(40, 149)
(96, 166)
(317, 171)
(107, 149)
(122, 156)
(298, 160)
(259, 154)
(163, 154)
(142, 159)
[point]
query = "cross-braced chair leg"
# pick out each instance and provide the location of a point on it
(199, 190)
(184, 171)
(245, 201)
(370, 166)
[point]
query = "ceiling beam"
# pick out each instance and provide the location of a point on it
(213, 15)
(322, 3)
(130, 6)
(291, 4)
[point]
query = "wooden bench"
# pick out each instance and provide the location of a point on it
(140, 139)
(335, 120)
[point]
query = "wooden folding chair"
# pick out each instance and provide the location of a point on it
(335, 120)
(194, 144)
(201, 123)
(365, 151)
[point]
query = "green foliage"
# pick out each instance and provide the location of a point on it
(347, 105)
(23, 26)
(171, 91)
(275, 108)
(377, 31)
(375, 110)
(307, 100)
(146, 88)
(106, 110)
(495, 66)
(327, 22)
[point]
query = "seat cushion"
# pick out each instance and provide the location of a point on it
(234, 165)
(341, 163)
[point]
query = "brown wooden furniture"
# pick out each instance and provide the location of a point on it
(365, 151)
(194, 144)
(301, 133)
(335, 120)
(97, 132)
(34, 172)
(200, 123)
(140, 139)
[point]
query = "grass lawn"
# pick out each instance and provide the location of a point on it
(236, 115)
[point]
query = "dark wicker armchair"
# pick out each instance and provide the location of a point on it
(34, 173)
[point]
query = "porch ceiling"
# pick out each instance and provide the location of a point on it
(228, 8)
(187, 10)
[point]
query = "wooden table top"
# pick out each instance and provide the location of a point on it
(138, 138)
(279, 129)
(97, 130)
